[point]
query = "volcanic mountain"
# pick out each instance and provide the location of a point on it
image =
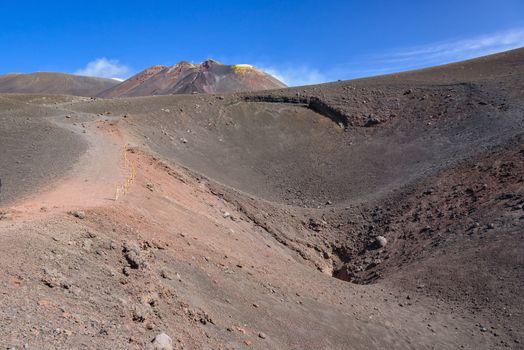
(186, 78)
(54, 84)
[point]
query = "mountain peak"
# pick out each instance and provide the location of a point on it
(209, 63)
(184, 64)
(210, 76)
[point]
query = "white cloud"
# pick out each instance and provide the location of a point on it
(467, 48)
(104, 68)
(295, 75)
(443, 52)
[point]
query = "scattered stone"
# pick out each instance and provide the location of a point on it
(262, 335)
(317, 225)
(150, 186)
(372, 120)
(425, 229)
(162, 342)
(165, 275)
(226, 215)
(139, 315)
(52, 278)
(428, 191)
(381, 241)
(78, 214)
(132, 255)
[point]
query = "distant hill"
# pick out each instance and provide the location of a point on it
(186, 78)
(54, 83)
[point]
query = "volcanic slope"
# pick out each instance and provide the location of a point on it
(218, 208)
(185, 78)
(35, 150)
(54, 83)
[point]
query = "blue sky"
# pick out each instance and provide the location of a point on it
(302, 42)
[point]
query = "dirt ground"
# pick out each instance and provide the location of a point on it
(384, 213)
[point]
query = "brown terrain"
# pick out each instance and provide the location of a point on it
(380, 213)
(54, 83)
(186, 78)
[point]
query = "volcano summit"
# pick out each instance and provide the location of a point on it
(186, 78)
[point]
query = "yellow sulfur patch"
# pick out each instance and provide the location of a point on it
(237, 68)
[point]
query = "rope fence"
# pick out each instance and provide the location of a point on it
(124, 188)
